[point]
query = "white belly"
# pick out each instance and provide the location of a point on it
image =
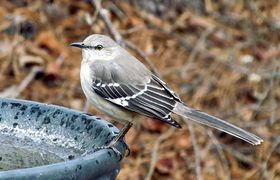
(101, 104)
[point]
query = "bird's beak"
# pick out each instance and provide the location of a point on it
(77, 44)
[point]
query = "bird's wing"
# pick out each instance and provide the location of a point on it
(151, 99)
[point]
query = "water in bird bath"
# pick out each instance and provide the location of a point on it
(23, 148)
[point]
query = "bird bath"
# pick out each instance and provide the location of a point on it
(40, 141)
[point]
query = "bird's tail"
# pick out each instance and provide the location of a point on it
(217, 123)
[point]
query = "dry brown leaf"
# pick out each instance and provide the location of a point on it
(54, 68)
(46, 40)
(183, 141)
(164, 165)
(199, 21)
(135, 21)
(266, 53)
(246, 113)
(221, 38)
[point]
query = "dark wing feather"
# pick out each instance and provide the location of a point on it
(152, 99)
(166, 88)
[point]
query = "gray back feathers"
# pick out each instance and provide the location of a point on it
(124, 68)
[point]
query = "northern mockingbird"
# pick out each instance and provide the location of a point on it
(118, 84)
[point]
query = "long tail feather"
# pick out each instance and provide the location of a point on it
(217, 123)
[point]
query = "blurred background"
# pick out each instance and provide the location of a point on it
(221, 57)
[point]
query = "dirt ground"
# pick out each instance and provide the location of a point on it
(220, 57)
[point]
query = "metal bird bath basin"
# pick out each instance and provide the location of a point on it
(39, 141)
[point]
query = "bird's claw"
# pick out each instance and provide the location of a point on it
(114, 141)
(128, 150)
(116, 151)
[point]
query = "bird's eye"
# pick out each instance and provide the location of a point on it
(98, 47)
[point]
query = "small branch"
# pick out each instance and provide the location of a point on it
(159, 28)
(237, 154)
(221, 154)
(196, 151)
(264, 165)
(196, 50)
(15, 90)
(12, 54)
(104, 14)
(155, 152)
(266, 94)
(59, 61)
(28, 79)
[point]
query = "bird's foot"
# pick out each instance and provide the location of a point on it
(110, 146)
(114, 141)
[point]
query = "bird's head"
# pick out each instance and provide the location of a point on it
(98, 47)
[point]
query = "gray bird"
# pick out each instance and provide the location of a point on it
(118, 84)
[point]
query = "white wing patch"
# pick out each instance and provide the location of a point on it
(123, 100)
(110, 84)
(119, 101)
(113, 84)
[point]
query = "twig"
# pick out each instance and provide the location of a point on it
(266, 93)
(196, 151)
(134, 29)
(155, 152)
(151, 19)
(239, 155)
(11, 57)
(264, 165)
(103, 13)
(116, 10)
(221, 154)
(28, 79)
(105, 17)
(14, 91)
(59, 61)
(195, 50)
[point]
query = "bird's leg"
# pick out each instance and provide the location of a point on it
(122, 133)
(112, 143)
